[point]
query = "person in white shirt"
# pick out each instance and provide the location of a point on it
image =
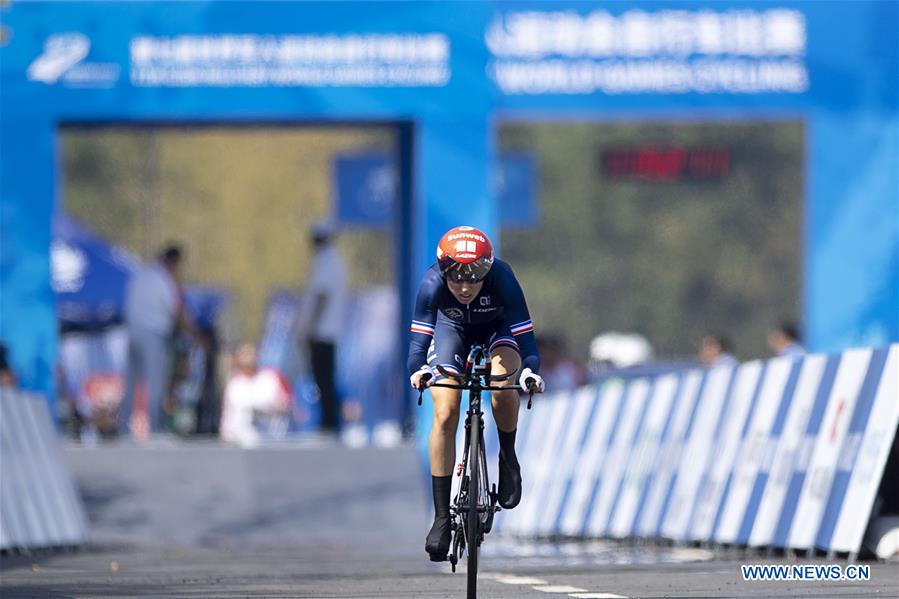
(323, 316)
(250, 391)
(153, 312)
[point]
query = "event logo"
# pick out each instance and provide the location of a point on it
(63, 60)
(377, 194)
(667, 51)
(61, 52)
(68, 265)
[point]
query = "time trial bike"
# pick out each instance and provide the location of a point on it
(475, 503)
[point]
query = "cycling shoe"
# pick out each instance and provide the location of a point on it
(438, 542)
(509, 494)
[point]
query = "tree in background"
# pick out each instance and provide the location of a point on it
(239, 199)
(669, 260)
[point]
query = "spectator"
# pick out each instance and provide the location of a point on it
(322, 317)
(154, 311)
(7, 376)
(715, 350)
(559, 370)
(209, 404)
(249, 393)
(784, 340)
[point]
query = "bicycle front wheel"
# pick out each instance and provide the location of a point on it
(472, 517)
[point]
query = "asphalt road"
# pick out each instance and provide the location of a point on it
(319, 520)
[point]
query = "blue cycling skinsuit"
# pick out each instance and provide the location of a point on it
(443, 329)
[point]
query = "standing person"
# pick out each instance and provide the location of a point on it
(716, 350)
(154, 311)
(784, 340)
(468, 297)
(322, 319)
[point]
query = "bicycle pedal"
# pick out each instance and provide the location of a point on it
(438, 558)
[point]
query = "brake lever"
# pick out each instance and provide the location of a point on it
(421, 388)
(531, 387)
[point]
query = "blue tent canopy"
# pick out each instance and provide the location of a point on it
(90, 276)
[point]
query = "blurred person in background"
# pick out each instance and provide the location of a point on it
(251, 392)
(716, 350)
(465, 298)
(322, 318)
(210, 401)
(559, 370)
(8, 379)
(784, 340)
(154, 312)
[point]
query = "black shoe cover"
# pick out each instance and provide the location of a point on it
(509, 493)
(438, 542)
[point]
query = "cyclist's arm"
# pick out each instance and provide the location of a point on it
(424, 318)
(519, 320)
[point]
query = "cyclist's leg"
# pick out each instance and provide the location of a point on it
(446, 348)
(505, 359)
(443, 456)
(443, 431)
(448, 343)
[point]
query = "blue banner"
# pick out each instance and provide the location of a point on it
(367, 188)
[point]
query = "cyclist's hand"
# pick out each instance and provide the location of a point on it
(528, 375)
(422, 378)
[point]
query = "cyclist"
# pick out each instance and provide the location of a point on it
(470, 297)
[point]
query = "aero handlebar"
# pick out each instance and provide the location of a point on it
(469, 384)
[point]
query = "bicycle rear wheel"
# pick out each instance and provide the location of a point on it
(473, 518)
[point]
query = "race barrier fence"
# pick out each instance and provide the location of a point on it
(39, 506)
(786, 453)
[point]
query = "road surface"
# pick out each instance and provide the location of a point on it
(314, 519)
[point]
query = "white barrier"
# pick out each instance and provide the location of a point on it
(39, 506)
(786, 453)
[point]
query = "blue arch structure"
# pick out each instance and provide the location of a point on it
(449, 72)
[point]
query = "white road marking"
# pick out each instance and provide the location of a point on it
(689, 554)
(519, 580)
(542, 586)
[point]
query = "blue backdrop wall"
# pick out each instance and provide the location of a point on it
(450, 72)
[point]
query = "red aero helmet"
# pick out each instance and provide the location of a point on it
(464, 254)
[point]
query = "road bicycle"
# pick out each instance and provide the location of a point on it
(475, 503)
